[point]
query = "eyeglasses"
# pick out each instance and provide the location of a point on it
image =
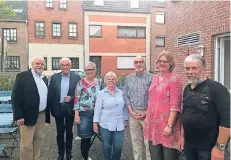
(89, 70)
(136, 62)
(160, 61)
(65, 65)
(42, 64)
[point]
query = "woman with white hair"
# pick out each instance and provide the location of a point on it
(85, 98)
(110, 118)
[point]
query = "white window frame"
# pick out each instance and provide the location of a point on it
(160, 14)
(49, 3)
(63, 4)
(219, 58)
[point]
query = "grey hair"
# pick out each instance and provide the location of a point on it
(37, 57)
(194, 57)
(138, 56)
(110, 74)
(90, 64)
(63, 59)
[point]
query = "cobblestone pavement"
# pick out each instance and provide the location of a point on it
(50, 150)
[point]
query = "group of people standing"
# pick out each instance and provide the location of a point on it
(163, 118)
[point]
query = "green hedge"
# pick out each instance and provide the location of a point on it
(6, 83)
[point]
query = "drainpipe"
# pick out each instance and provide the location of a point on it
(27, 45)
(151, 41)
(83, 37)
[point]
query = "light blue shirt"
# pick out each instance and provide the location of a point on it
(42, 90)
(110, 111)
(64, 87)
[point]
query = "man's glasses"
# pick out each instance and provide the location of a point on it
(42, 64)
(89, 70)
(140, 62)
(160, 61)
(65, 65)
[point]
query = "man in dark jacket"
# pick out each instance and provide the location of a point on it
(61, 101)
(205, 115)
(29, 101)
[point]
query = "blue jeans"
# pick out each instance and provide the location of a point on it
(196, 154)
(112, 143)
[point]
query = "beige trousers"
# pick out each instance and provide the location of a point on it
(137, 137)
(32, 139)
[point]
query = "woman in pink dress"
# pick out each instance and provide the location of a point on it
(162, 124)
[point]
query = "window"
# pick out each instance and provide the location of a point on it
(125, 62)
(160, 41)
(95, 31)
(10, 34)
(222, 60)
(49, 3)
(55, 63)
(45, 66)
(99, 2)
(56, 29)
(131, 32)
(63, 4)
(74, 63)
(72, 28)
(134, 3)
(40, 29)
(160, 17)
(12, 62)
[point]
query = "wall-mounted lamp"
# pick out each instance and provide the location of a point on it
(200, 49)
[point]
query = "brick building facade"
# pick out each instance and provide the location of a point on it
(14, 31)
(56, 31)
(115, 32)
(200, 27)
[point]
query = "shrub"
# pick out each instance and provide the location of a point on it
(6, 83)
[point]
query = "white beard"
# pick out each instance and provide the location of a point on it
(39, 71)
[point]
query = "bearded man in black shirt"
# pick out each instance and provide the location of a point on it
(206, 114)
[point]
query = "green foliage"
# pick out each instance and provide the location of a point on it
(6, 83)
(5, 11)
(121, 81)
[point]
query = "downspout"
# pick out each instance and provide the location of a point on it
(27, 45)
(84, 59)
(151, 41)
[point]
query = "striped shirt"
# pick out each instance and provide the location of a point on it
(136, 90)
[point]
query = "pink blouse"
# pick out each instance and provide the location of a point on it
(164, 96)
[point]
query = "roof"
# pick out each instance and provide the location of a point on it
(20, 8)
(122, 6)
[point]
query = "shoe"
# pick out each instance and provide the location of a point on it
(69, 156)
(60, 158)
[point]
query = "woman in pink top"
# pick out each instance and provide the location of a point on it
(162, 124)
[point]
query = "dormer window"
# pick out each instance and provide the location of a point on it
(134, 3)
(99, 2)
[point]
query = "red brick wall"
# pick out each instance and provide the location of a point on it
(109, 43)
(208, 17)
(37, 11)
(156, 30)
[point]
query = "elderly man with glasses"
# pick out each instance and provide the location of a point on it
(136, 99)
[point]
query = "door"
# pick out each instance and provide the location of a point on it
(97, 61)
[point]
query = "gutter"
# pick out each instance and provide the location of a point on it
(27, 45)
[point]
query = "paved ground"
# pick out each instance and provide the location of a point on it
(49, 150)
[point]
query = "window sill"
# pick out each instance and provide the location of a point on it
(95, 36)
(160, 46)
(56, 37)
(39, 37)
(131, 37)
(73, 38)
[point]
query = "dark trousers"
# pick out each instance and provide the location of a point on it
(64, 124)
(85, 147)
(192, 153)
(159, 152)
(112, 143)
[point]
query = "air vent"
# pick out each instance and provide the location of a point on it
(189, 39)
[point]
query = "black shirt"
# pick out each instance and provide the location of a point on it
(205, 108)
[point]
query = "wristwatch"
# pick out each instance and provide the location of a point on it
(170, 126)
(221, 146)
